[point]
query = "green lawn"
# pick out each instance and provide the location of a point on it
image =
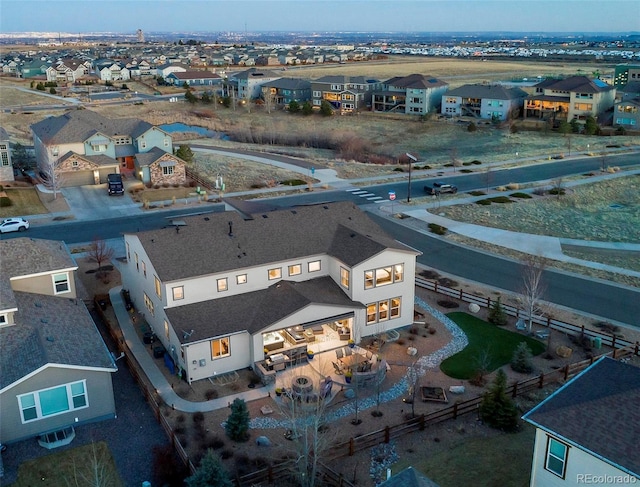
(77, 466)
(482, 462)
(484, 337)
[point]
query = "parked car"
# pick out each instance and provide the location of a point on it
(114, 184)
(13, 225)
(440, 187)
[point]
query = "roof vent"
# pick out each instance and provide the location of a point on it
(265, 216)
(50, 339)
(231, 229)
(206, 218)
(37, 305)
(44, 320)
(177, 229)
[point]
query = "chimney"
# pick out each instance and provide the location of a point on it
(231, 229)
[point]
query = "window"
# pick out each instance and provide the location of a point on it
(137, 262)
(167, 170)
(144, 268)
(178, 292)
(99, 148)
(451, 100)
(128, 252)
(61, 283)
(241, 279)
(148, 303)
(585, 107)
(314, 266)
(74, 163)
(56, 400)
(344, 277)
(317, 94)
(220, 348)
(275, 273)
(166, 142)
(223, 284)
(157, 286)
(166, 329)
(383, 276)
(3, 319)
(384, 310)
(556, 461)
(143, 144)
(295, 269)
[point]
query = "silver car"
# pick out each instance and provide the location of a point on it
(13, 225)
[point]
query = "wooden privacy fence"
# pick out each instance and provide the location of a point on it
(608, 339)
(199, 179)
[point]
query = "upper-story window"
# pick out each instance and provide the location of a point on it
(55, 400)
(149, 304)
(61, 283)
(336, 87)
(275, 273)
(3, 319)
(451, 100)
(99, 147)
(144, 268)
(178, 292)
(158, 286)
(556, 460)
(383, 276)
(166, 142)
(317, 94)
(344, 277)
(241, 279)
(295, 269)
(220, 348)
(314, 266)
(222, 284)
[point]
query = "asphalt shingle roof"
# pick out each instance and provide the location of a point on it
(416, 81)
(597, 411)
(203, 246)
(576, 84)
(493, 92)
(289, 84)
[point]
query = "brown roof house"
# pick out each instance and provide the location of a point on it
(415, 94)
(224, 291)
(587, 431)
(55, 369)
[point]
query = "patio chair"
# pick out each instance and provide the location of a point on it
(337, 368)
(339, 353)
(348, 351)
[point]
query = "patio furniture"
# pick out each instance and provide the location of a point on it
(337, 368)
(353, 361)
(310, 336)
(339, 353)
(348, 351)
(343, 334)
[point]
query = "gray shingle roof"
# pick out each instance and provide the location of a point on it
(203, 246)
(409, 477)
(598, 412)
(267, 306)
(289, 84)
(576, 84)
(79, 125)
(148, 158)
(254, 73)
(3, 134)
(416, 81)
(360, 80)
(493, 92)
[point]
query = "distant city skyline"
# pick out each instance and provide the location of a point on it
(123, 16)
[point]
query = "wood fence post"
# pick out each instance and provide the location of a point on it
(566, 371)
(460, 294)
(637, 346)
(422, 424)
(514, 393)
(548, 321)
(270, 473)
(455, 410)
(541, 382)
(387, 434)
(613, 341)
(488, 302)
(351, 447)
(435, 286)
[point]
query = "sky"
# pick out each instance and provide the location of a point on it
(126, 16)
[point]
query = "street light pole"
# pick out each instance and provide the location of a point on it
(412, 159)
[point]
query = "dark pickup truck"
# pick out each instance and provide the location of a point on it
(114, 184)
(439, 187)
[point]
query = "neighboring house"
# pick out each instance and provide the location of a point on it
(90, 146)
(248, 83)
(55, 369)
(567, 99)
(221, 290)
(415, 94)
(626, 73)
(6, 167)
(32, 69)
(409, 477)
(68, 71)
(114, 72)
(345, 93)
(589, 429)
(627, 114)
(165, 69)
(285, 90)
(194, 78)
(491, 102)
(159, 167)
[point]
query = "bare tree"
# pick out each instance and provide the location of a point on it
(557, 187)
(488, 177)
(93, 468)
(413, 377)
(481, 364)
(533, 287)
(453, 156)
(100, 251)
(53, 179)
(269, 98)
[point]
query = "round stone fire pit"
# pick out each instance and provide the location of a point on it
(302, 385)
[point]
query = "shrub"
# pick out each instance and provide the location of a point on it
(471, 127)
(448, 304)
(513, 186)
(477, 193)
(500, 199)
(198, 417)
(524, 196)
(5, 201)
(557, 191)
(398, 169)
(466, 171)
(483, 202)
(211, 394)
(497, 316)
(437, 229)
(476, 162)
(521, 361)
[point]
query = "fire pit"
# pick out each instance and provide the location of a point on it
(302, 385)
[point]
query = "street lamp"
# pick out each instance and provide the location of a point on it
(411, 160)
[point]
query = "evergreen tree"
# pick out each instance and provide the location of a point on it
(237, 426)
(497, 316)
(294, 106)
(210, 473)
(226, 101)
(190, 97)
(575, 126)
(521, 360)
(564, 128)
(325, 109)
(185, 153)
(590, 126)
(496, 408)
(206, 98)
(307, 108)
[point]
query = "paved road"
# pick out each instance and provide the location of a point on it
(593, 296)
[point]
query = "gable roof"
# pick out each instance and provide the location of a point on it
(79, 125)
(409, 477)
(597, 411)
(416, 81)
(194, 75)
(289, 84)
(98, 160)
(494, 92)
(4, 135)
(359, 80)
(276, 236)
(576, 84)
(254, 73)
(268, 306)
(148, 158)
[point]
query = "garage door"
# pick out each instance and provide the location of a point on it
(105, 171)
(77, 178)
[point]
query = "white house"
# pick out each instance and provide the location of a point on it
(587, 431)
(223, 291)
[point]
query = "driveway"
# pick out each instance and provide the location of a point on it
(94, 203)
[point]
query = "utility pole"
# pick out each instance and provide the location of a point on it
(412, 159)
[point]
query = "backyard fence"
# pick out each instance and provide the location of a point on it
(609, 339)
(199, 179)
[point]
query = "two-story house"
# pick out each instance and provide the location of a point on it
(285, 90)
(490, 102)
(85, 146)
(573, 98)
(248, 84)
(6, 167)
(115, 72)
(346, 94)
(55, 369)
(194, 78)
(415, 94)
(221, 291)
(587, 431)
(68, 71)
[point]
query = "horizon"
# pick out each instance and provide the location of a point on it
(124, 17)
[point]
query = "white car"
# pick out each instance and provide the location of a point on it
(13, 225)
